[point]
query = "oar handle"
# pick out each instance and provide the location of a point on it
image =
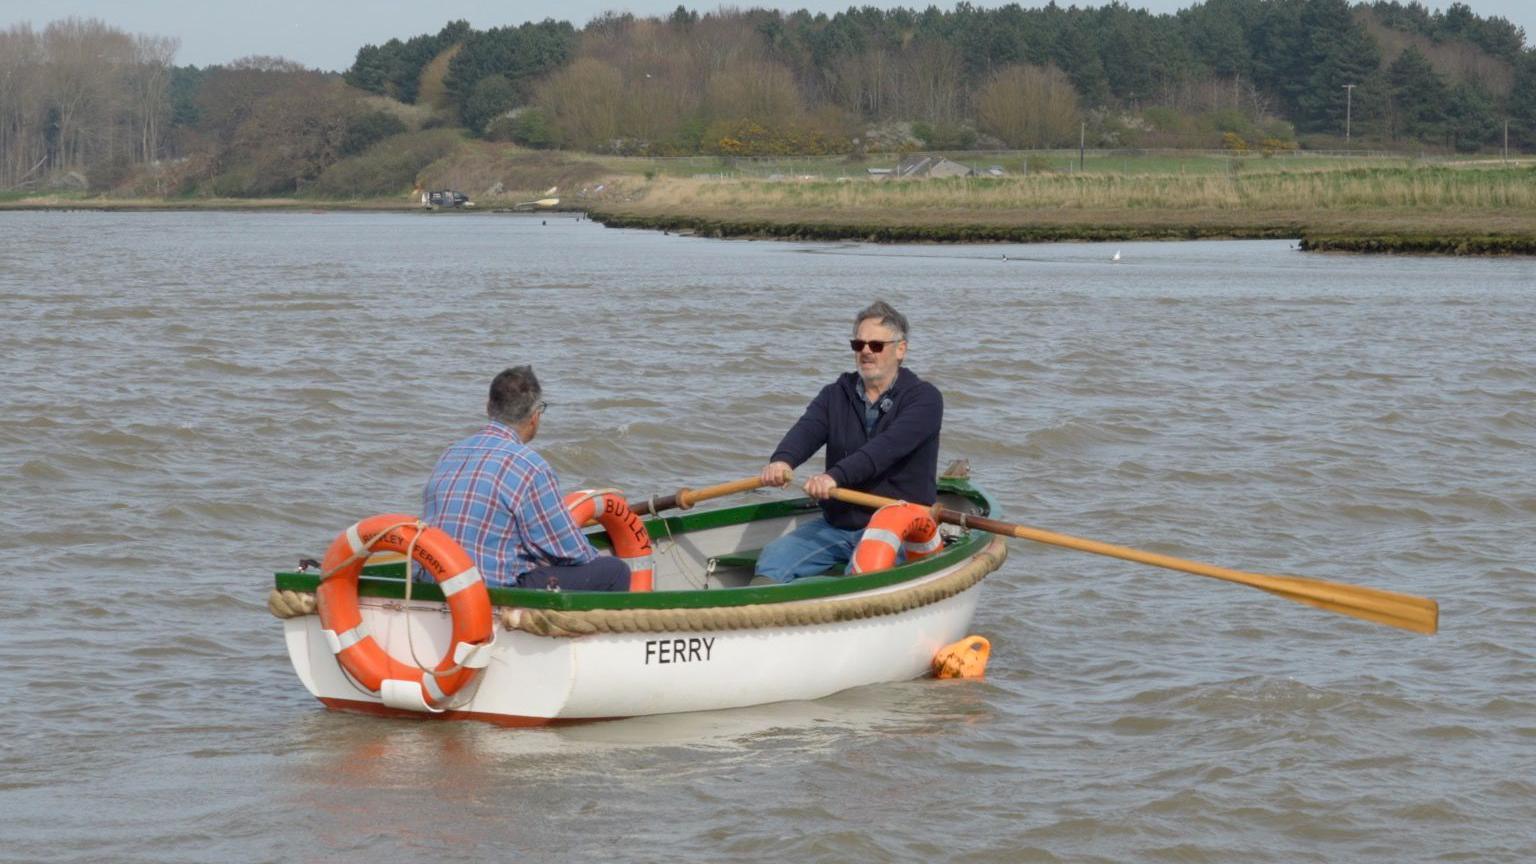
(863, 499)
(1419, 614)
(684, 498)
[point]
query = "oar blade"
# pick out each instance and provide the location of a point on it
(1404, 611)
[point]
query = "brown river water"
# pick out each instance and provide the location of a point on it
(189, 401)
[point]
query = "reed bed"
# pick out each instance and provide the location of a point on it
(1432, 188)
(1463, 210)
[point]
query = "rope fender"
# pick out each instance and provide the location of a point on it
(556, 623)
(290, 604)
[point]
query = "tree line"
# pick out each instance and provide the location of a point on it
(79, 95)
(86, 105)
(1020, 77)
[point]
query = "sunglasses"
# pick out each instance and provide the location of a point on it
(875, 345)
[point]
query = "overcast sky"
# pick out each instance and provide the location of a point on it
(327, 33)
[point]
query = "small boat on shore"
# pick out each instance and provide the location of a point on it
(702, 639)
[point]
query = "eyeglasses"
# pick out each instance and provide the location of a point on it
(540, 406)
(875, 345)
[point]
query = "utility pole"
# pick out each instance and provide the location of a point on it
(1082, 141)
(1349, 101)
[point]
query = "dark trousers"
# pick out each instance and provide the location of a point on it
(605, 574)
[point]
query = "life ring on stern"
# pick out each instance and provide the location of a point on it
(894, 527)
(631, 542)
(405, 685)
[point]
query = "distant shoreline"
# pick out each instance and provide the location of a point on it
(948, 212)
(1384, 234)
(205, 204)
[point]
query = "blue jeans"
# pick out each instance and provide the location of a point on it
(814, 548)
(604, 574)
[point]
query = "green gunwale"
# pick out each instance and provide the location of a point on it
(388, 581)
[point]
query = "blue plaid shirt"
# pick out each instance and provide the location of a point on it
(499, 500)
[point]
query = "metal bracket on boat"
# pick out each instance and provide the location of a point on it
(474, 655)
(405, 695)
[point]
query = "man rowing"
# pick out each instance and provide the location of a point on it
(880, 426)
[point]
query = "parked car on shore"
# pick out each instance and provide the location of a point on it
(445, 198)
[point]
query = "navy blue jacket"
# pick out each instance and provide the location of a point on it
(900, 460)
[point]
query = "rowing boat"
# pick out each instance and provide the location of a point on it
(703, 639)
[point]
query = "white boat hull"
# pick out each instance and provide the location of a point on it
(536, 680)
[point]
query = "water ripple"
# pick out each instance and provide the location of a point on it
(175, 426)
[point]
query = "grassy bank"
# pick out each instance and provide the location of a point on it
(1465, 209)
(1432, 189)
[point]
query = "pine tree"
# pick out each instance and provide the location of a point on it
(1337, 52)
(1522, 101)
(1418, 96)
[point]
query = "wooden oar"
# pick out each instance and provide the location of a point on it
(685, 497)
(1419, 614)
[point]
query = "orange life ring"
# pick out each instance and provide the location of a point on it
(405, 685)
(631, 542)
(896, 527)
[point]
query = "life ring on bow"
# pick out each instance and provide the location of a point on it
(405, 685)
(631, 542)
(895, 527)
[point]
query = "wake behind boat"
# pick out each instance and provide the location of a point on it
(703, 639)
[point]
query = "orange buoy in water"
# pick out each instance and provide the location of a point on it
(964, 659)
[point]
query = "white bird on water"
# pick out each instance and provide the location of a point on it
(1117, 256)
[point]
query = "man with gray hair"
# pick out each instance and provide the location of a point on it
(500, 501)
(880, 425)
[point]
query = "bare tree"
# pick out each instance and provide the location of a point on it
(1029, 106)
(759, 90)
(153, 57)
(864, 85)
(715, 68)
(80, 95)
(931, 76)
(585, 99)
(83, 58)
(663, 81)
(22, 150)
